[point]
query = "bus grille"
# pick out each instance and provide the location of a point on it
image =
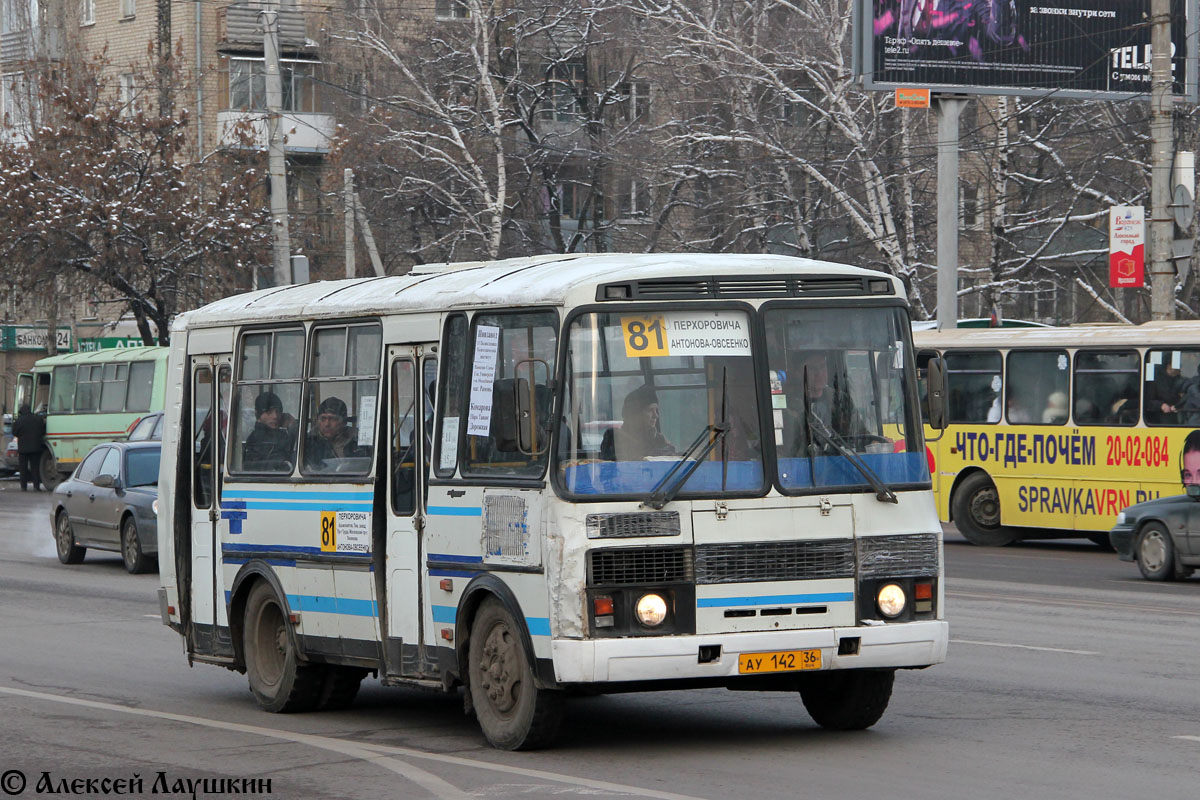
(638, 565)
(774, 561)
(640, 523)
(908, 556)
(734, 286)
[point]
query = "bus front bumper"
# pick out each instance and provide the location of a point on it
(647, 658)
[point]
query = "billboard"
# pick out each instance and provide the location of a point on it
(1096, 49)
(1126, 246)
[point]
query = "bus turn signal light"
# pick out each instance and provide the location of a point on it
(923, 591)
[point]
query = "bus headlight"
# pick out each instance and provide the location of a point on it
(651, 610)
(891, 600)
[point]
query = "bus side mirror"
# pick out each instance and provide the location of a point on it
(936, 382)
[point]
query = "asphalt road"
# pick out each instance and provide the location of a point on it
(1068, 677)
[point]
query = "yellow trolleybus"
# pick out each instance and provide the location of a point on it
(555, 474)
(1053, 431)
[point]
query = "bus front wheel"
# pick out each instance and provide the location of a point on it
(278, 679)
(847, 700)
(976, 507)
(513, 713)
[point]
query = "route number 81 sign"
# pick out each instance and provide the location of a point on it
(686, 333)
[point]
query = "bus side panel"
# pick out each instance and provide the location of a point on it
(170, 529)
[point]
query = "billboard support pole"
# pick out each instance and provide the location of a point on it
(949, 108)
(1162, 136)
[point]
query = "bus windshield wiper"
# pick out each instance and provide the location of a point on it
(818, 427)
(665, 490)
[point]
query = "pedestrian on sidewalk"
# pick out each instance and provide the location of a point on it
(30, 430)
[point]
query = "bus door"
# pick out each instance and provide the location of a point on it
(211, 523)
(412, 373)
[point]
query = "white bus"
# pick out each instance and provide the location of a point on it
(555, 474)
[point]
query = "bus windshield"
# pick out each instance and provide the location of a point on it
(841, 400)
(643, 386)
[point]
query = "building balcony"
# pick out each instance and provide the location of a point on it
(304, 132)
(31, 44)
(240, 28)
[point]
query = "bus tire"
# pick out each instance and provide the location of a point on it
(976, 508)
(48, 470)
(64, 540)
(340, 687)
(847, 700)
(512, 711)
(1101, 540)
(279, 681)
(136, 561)
(1156, 553)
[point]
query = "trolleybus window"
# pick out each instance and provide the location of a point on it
(271, 365)
(1106, 387)
(1039, 385)
(343, 388)
(643, 387)
(512, 360)
(847, 403)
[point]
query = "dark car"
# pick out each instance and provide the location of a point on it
(1161, 535)
(110, 502)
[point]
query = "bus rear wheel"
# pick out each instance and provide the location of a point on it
(513, 712)
(1156, 553)
(278, 679)
(48, 470)
(976, 508)
(847, 700)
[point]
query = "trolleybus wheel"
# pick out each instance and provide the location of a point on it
(976, 507)
(136, 562)
(513, 713)
(340, 687)
(1156, 553)
(847, 700)
(64, 540)
(279, 681)
(48, 470)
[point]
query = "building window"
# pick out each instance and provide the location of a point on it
(247, 89)
(634, 101)
(128, 8)
(87, 12)
(16, 101)
(128, 93)
(565, 82)
(633, 198)
(572, 199)
(970, 207)
(451, 9)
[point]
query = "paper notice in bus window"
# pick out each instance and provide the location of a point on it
(687, 333)
(366, 420)
(1176, 357)
(483, 376)
(1156, 356)
(449, 448)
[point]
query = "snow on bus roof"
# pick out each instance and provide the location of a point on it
(1169, 332)
(536, 280)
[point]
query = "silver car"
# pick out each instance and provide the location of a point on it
(110, 502)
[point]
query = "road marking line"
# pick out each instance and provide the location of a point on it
(365, 751)
(1072, 603)
(1188, 738)
(1025, 647)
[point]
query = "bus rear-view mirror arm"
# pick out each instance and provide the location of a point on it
(936, 393)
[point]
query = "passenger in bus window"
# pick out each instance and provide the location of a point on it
(1055, 412)
(1163, 395)
(639, 436)
(270, 446)
(813, 393)
(1124, 407)
(330, 437)
(1189, 408)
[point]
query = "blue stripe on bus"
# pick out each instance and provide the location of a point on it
(451, 573)
(274, 562)
(326, 505)
(455, 559)
(454, 511)
(774, 599)
(270, 548)
(255, 494)
(538, 626)
(333, 605)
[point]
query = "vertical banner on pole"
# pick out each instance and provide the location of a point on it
(1126, 246)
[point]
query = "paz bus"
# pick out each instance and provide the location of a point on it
(1051, 432)
(90, 398)
(556, 474)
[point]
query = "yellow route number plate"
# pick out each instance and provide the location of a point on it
(780, 661)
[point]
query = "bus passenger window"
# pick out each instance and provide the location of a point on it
(974, 387)
(268, 402)
(1038, 385)
(62, 398)
(112, 392)
(453, 397)
(404, 435)
(141, 386)
(343, 385)
(1106, 387)
(87, 388)
(1172, 386)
